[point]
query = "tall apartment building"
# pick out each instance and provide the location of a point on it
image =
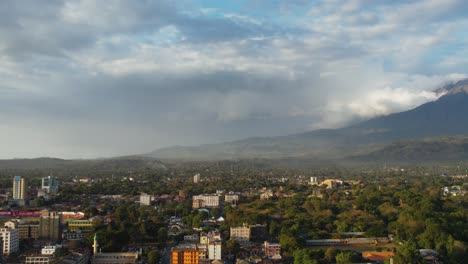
(10, 239)
(196, 178)
(50, 184)
(207, 201)
(214, 250)
(49, 226)
(19, 188)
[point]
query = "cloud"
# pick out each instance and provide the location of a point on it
(87, 79)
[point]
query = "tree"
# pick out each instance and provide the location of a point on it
(233, 246)
(330, 254)
(303, 256)
(407, 253)
(91, 211)
(162, 234)
(153, 257)
(38, 202)
(345, 258)
(288, 242)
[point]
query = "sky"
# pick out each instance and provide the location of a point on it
(87, 79)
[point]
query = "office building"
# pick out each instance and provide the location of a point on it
(50, 184)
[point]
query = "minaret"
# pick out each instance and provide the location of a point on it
(95, 245)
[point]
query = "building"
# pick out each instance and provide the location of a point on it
(185, 254)
(115, 258)
(231, 198)
(10, 238)
(74, 236)
(39, 259)
(202, 252)
(82, 226)
(50, 184)
(266, 194)
(145, 199)
(49, 250)
(240, 234)
(272, 249)
(207, 201)
(192, 238)
(50, 226)
(19, 188)
(196, 178)
(206, 238)
(329, 183)
(76, 258)
(112, 257)
(215, 249)
(27, 229)
(313, 181)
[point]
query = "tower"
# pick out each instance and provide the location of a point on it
(19, 188)
(95, 245)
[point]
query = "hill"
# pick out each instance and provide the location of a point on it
(441, 118)
(445, 149)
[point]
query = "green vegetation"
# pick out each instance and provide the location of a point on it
(405, 202)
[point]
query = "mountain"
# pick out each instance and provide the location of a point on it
(441, 118)
(421, 150)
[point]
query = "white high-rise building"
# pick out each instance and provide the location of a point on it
(19, 188)
(10, 239)
(214, 250)
(313, 181)
(196, 178)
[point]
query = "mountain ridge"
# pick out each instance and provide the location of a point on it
(439, 118)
